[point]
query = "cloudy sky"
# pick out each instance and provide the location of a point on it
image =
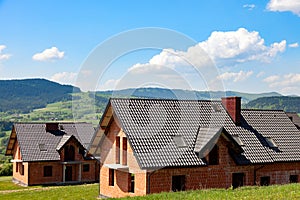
(240, 45)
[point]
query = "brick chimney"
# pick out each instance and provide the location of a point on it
(233, 108)
(51, 127)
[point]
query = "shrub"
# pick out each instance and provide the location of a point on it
(6, 169)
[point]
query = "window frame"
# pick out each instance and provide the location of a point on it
(124, 152)
(131, 183)
(48, 171)
(265, 180)
(213, 156)
(86, 167)
(22, 169)
(294, 178)
(118, 150)
(111, 177)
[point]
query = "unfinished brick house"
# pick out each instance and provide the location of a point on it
(150, 145)
(52, 153)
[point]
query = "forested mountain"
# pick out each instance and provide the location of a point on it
(160, 93)
(25, 95)
(286, 103)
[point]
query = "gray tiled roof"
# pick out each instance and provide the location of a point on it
(151, 124)
(31, 136)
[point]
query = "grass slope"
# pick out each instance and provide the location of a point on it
(291, 192)
(9, 190)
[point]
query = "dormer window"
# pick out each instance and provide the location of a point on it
(179, 141)
(216, 108)
(271, 142)
(42, 147)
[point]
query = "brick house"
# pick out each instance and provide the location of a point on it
(52, 153)
(150, 145)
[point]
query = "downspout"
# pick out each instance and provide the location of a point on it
(254, 173)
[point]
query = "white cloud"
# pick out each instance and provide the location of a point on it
(260, 74)
(284, 5)
(3, 56)
(271, 79)
(287, 83)
(249, 6)
(236, 76)
(65, 77)
(294, 45)
(240, 46)
(195, 68)
(49, 55)
(109, 84)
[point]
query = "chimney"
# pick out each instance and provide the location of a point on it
(51, 127)
(233, 108)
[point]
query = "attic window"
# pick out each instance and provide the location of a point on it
(42, 147)
(179, 141)
(61, 127)
(238, 140)
(271, 142)
(216, 107)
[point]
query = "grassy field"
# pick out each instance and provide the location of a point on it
(291, 192)
(9, 190)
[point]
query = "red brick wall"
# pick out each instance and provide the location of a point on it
(211, 176)
(17, 176)
(93, 174)
(279, 172)
(36, 173)
(108, 152)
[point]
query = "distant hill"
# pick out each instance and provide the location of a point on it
(26, 95)
(286, 103)
(160, 93)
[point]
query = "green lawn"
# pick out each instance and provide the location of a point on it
(90, 191)
(7, 184)
(291, 192)
(9, 190)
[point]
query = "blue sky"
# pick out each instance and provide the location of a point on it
(254, 45)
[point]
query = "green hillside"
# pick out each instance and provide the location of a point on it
(161, 93)
(288, 104)
(22, 96)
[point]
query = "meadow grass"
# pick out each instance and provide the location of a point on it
(290, 191)
(9, 190)
(7, 184)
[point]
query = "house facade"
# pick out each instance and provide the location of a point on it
(52, 153)
(150, 146)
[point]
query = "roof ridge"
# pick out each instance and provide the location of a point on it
(51, 122)
(265, 110)
(159, 99)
